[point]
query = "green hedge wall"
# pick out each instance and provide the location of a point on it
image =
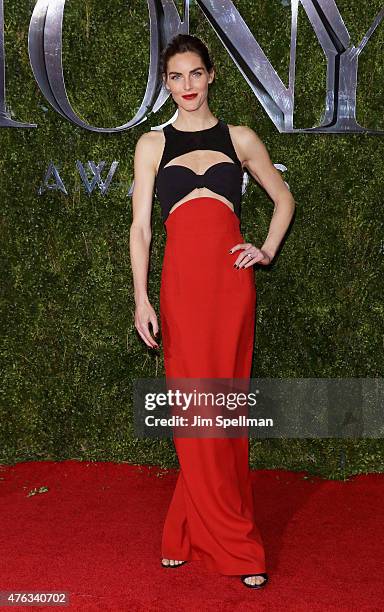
(69, 347)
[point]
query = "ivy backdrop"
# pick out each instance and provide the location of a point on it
(69, 347)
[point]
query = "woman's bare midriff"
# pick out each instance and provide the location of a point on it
(199, 193)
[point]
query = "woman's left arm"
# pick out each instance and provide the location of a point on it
(256, 159)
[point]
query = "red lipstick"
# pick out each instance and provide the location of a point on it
(189, 96)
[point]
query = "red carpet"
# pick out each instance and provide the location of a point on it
(96, 531)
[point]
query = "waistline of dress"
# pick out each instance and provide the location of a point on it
(202, 214)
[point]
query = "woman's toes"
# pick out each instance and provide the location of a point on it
(171, 562)
(255, 580)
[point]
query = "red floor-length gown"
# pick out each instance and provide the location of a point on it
(207, 311)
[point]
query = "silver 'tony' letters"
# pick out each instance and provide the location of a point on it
(45, 52)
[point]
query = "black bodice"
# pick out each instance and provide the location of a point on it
(175, 181)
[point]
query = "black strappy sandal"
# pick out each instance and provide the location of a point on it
(255, 586)
(168, 565)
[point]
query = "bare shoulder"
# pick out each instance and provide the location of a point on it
(244, 135)
(149, 147)
(150, 139)
(247, 143)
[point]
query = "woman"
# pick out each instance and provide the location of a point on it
(207, 300)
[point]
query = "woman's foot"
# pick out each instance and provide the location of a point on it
(256, 581)
(171, 562)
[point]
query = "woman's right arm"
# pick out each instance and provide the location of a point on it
(141, 235)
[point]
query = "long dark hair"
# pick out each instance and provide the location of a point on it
(182, 43)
